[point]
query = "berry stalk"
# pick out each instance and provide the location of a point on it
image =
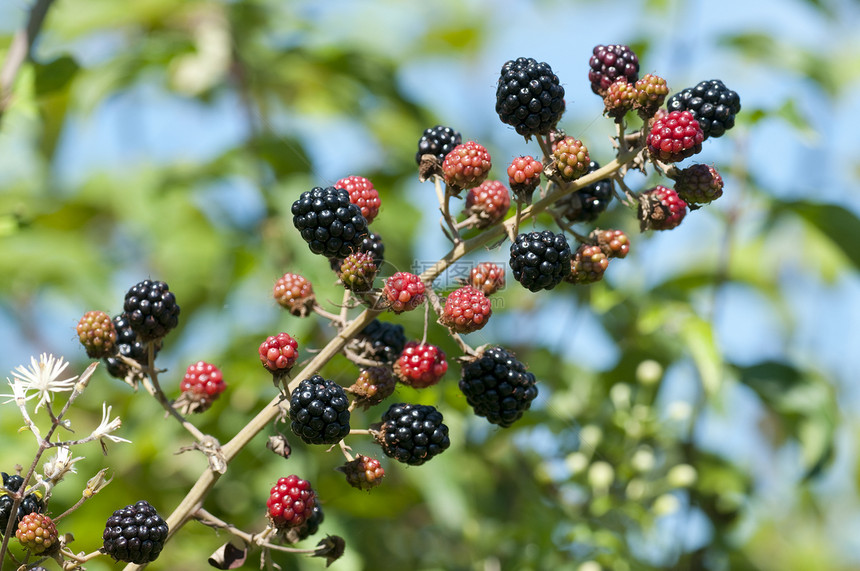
(207, 480)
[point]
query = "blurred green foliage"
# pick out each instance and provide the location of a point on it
(594, 477)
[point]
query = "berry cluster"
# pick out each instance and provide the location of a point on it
(412, 433)
(319, 411)
(529, 97)
(31, 503)
(540, 260)
(329, 222)
(498, 386)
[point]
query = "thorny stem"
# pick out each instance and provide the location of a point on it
(209, 478)
(345, 449)
(259, 539)
(335, 319)
(444, 198)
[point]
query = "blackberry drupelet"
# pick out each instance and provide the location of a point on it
(319, 411)
(421, 365)
(608, 63)
(498, 386)
(291, 502)
(437, 141)
(661, 209)
(712, 104)
(699, 184)
(151, 309)
(363, 472)
(413, 433)
(330, 224)
(529, 96)
(97, 334)
(467, 309)
(540, 260)
(135, 534)
(38, 533)
(294, 293)
(589, 202)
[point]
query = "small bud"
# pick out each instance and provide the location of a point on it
(96, 484)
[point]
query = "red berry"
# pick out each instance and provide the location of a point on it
(420, 366)
(466, 166)
(661, 209)
(489, 202)
(279, 353)
(570, 158)
(404, 292)
(38, 533)
(675, 137)
(524, 176)
(614, 243)
(374, 385)
(608, 63)
(363, 472)
(202, 384)
(467, 309)
(587, 265)
(619, 98)
(295, 294)
(487, 277)
(362, 194)
(291, 502)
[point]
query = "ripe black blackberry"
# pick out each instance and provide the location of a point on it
(587, 203)
(608, 63)
(135, 534)
(31, 503)
(712, 104)
(540, 260)
(437, 141)
(498, 386)
(329, 222)
(379, 341)
(529, 96)
(152, 310)
(319, 410)
(412, 433)
(128, 345)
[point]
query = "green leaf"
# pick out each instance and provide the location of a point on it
(836, 223)
(56, 75)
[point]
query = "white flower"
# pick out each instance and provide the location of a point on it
(43, 377)
(57, 467)
(107, 426)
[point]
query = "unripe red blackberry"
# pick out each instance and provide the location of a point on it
(278, 354)
(466, 166)
(379, 341)
(570, 158)
(97, 334)
(589, 202)
(404, 292)
(587, 265)
(38, 533)
(524, 177)
(529, 96)
(488, 202)
(357, 272)
(135, 534)
(699, 184)
(295, 294)
(466, 310)
(291, 502)
(412, 433)
(661, 209)
(151, 308)
(619, 98)
(362, 194)
(327, 220)
(498, 386)
(540, 260)
(712, 104)
(614, 243)
(363, 472)
(487, 277)
(420, 366)
(609, 63)
(651, 91)
(319, 411)
(374, 385)
(202, 384)
(437, 141)
(675, 137)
